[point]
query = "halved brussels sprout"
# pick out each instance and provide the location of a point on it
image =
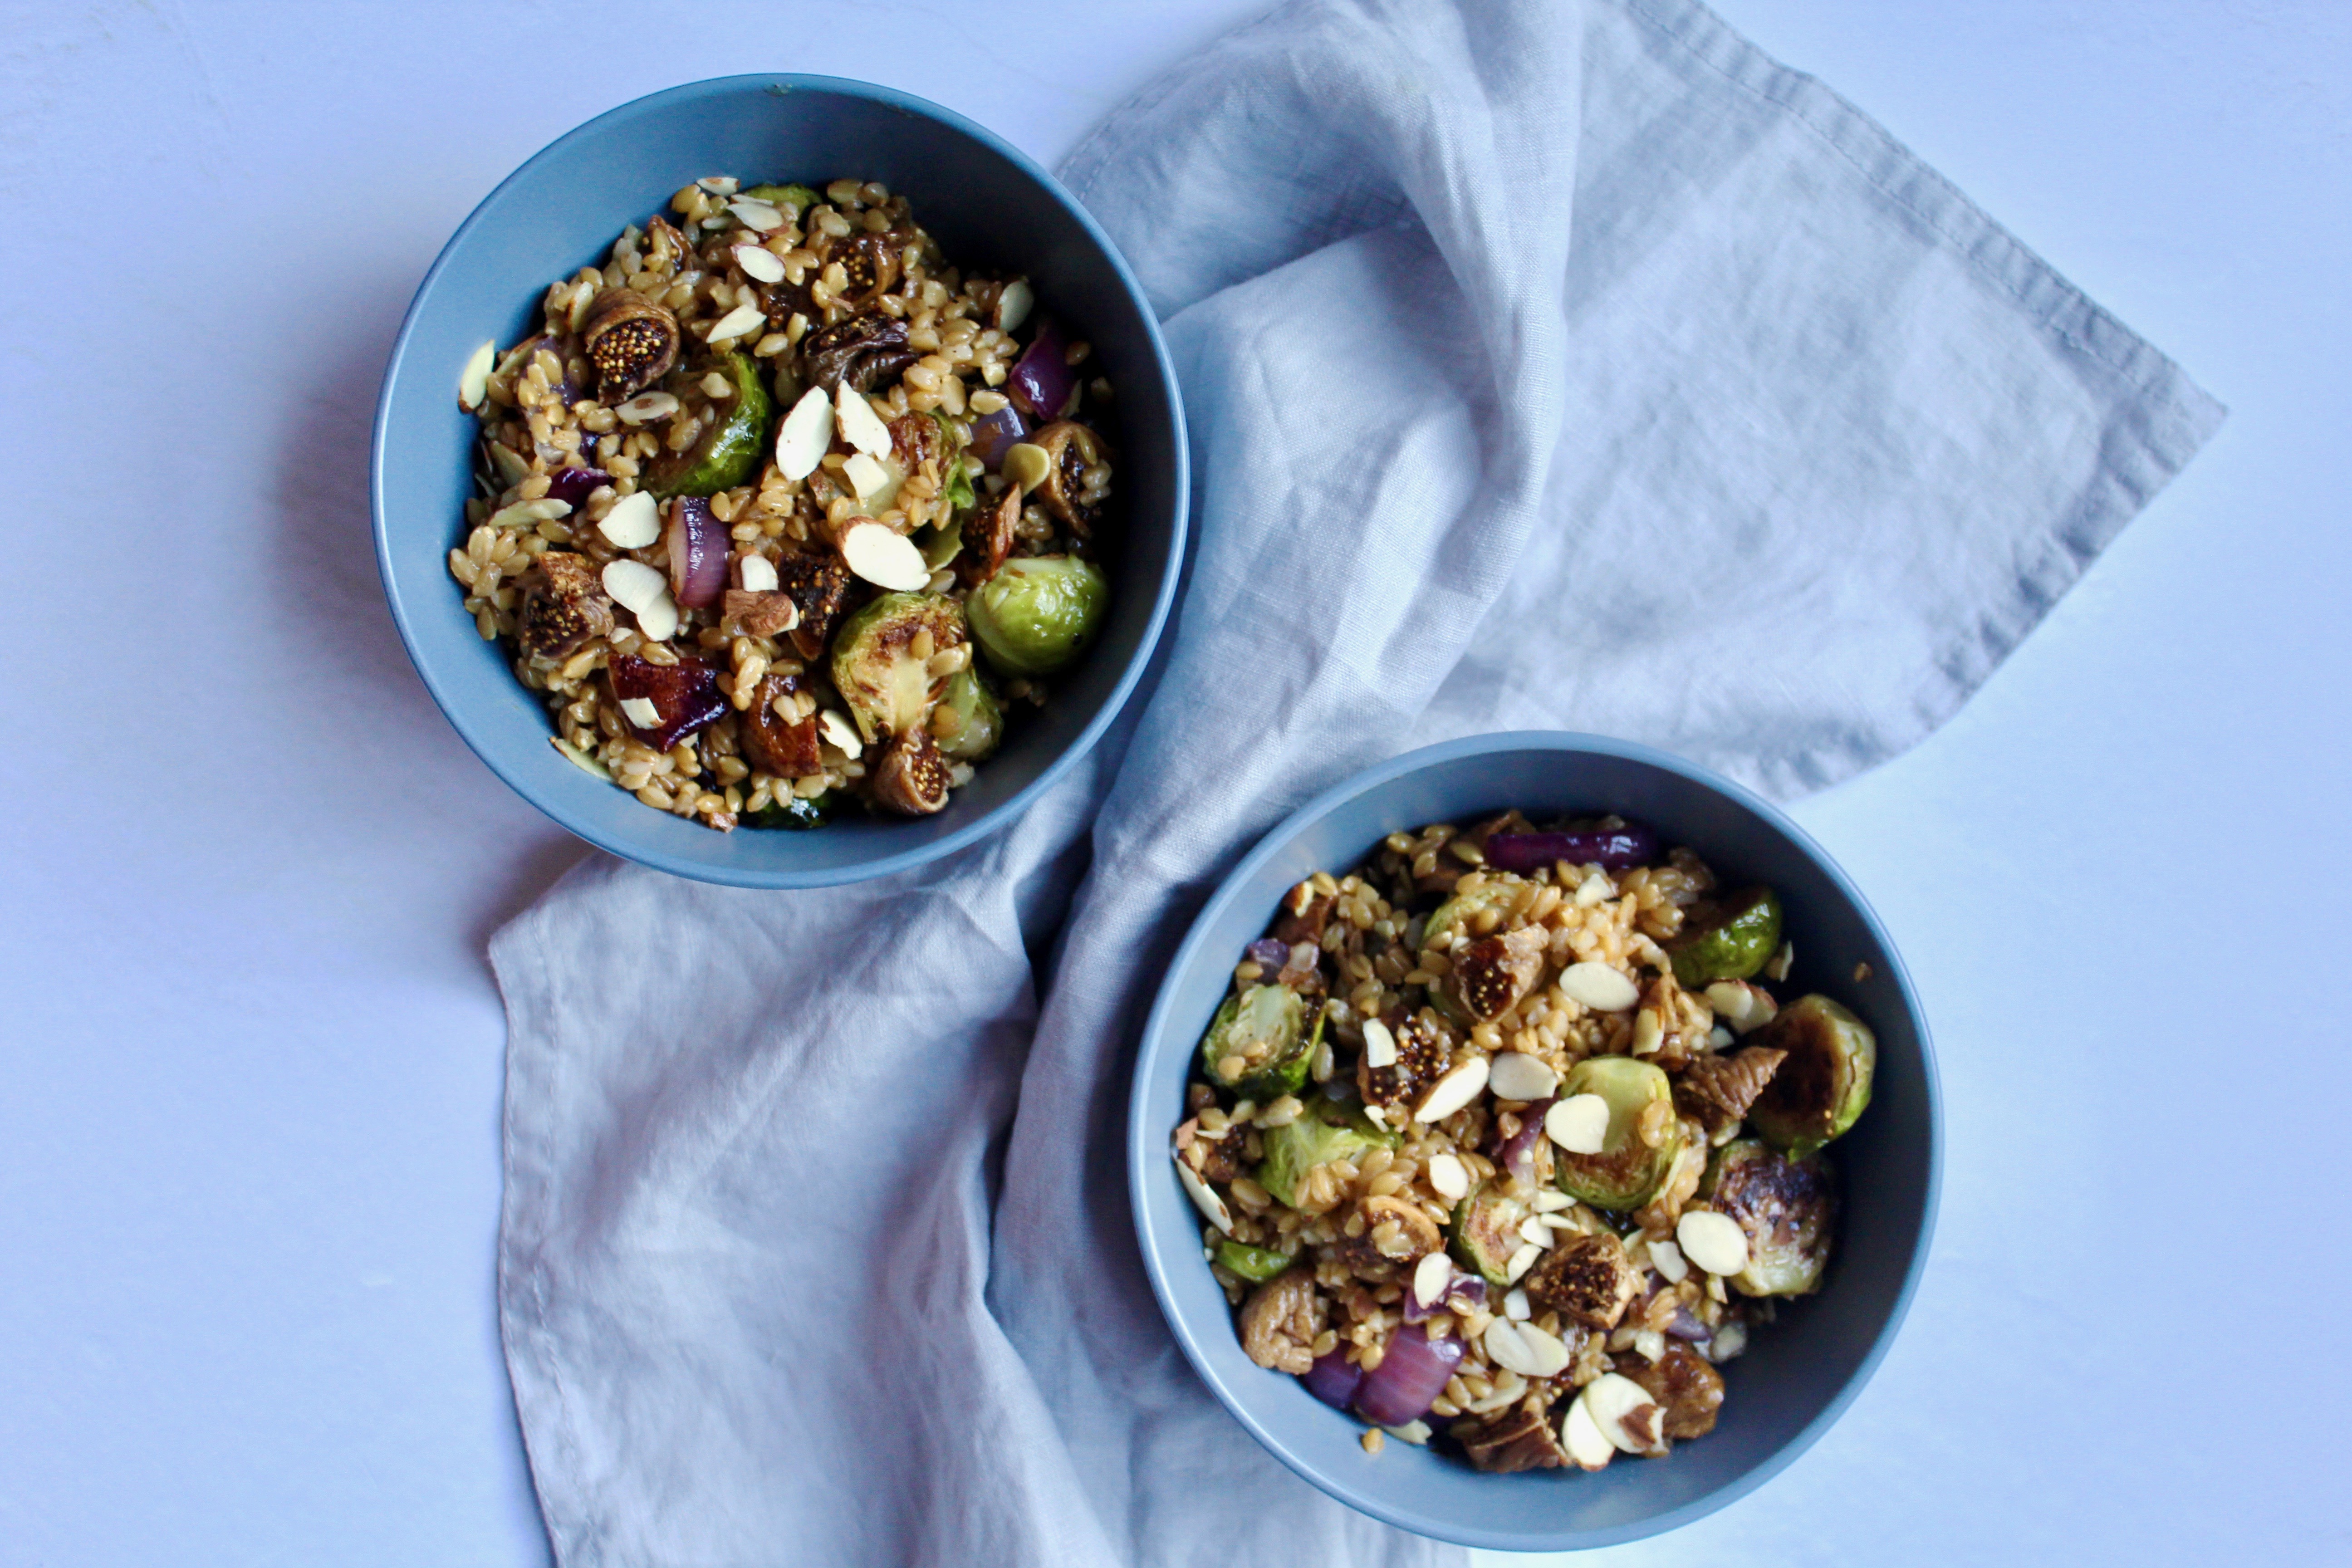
(1485, 1231)
(1461, 911)
(1037, 614)
(1730, 939)
(1824, 1082)
(1255, 1264)
(796, 811)
(730, 450)
(1326, 1130)
(1643, 1137)
(977, 724)
(1786, 1208)
(881, 671)
(799, 198)
(1257, 1044)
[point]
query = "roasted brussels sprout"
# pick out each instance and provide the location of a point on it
(1729, 940)
(1037, 614)
(1822, 1083)
(730, 452)
(1255, 1264)
(1460, 911)
(881, 659)
(799, 198)
(1786, 1208)
(1257, 1044)
(1642, 1139)
(1486, 1230)
(1326, 1130)
(968, 723)
(797, 812)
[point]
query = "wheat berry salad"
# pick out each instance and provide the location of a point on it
(782, 513)
(1505, 1143)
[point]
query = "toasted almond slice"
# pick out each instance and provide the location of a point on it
(1012, 307)
(1379, 1045)
(1712, 1241)
(884, 559)
(1516, 1076)
(1446, 1173)
(633, 584)
(1205, 1199)
(1579, 1124)
(1596, 888)
(735, 323)
(805, 435)
(1776, 968)
(1452, 1092)
(755, 215)
(580, 759)
(1534, 1232)
(1550, 1202)
(645, 407)
(1520, 1262)
(866, 476)
(840, 731)
(860, 425)
(1429, 1277)
(1623, 1410)
(1516, 1307)
(474, 381)
(1547, 1350)
(1649, 1032)
(1668, 1259)
(1720, 1037)
(1413, 1432)
(1377, 1115)
(1587, 1446)
(1026, 465)
(1728, 1342)
(759, 264)
(633, 523)
(658, 620)
(641, 711)
(719, 184)
(1599, 987)
(758, 575)
(1506, 1348)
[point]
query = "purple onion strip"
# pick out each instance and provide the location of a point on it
(1267, 953)
(697, 553)
(1042, 380)
(572, 486)
(1411, 1375)
(993, 435)
(1617, 850)
(1333, 1379)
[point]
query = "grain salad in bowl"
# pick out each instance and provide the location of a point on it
(782, 514)
(1505, 1142)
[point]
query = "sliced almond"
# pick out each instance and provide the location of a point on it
(1205, 1199)
(1012, 307)
(1517, 1076)
(580, 759)
(1596, 888)
(884, 559)
(1743, 1007)
(1579, 1124)
(1546, 1349)
(735, 323)
(1520, 1262)
(474, 381)
(860, 425)
(1549, 1202)
(658, 620)
(759, 264)
(1429, 1277)
(755, 214)
(1379, 1045)
(1413, 1432)
(1446, 1171)
(1534, 1232)
(1583, 1439)
(1506, 1347)
(866, 476)
(1516, 1307)
(1776, 968)
(633, 584)
(1719, 1037)
(758, 574)
(633, 523)
(1649, 1032)
(1623, 1410)
(1599, 987)
(840, 731)
(1712, 1241)
(641, 711)
(1452, 1092)
(1668, 1259)
(719, 184)
(645, 407)
(1026, 465)
(805, 435)
(1728, 1342)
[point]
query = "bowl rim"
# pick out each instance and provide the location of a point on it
(1146, 1133)
(1006, 811)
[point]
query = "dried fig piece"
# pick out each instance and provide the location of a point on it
(1070, 450)
(1588, 1278)
(1513, 1438)
(1423, 1054)
(1689, 1391)
(859, 352)
(1492, 974)
(871, 263)
(819, 586)
(760, 612)
(1717, 1091)
(784, 747)
(631, 342)
(1395, 1233)
(685, 696)
(564, 605)
(912, 777)
(988, 535)
(1280, 1320)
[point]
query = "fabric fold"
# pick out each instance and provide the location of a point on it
(1548, 365)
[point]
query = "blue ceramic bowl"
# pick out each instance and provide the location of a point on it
(989, 206)
(1799, 1373)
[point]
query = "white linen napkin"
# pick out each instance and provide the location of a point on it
(1549, 363)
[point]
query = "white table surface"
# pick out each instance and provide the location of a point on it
(249, 1050)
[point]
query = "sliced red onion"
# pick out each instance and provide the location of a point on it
(1685, 1325)
(993, 435)
(572, 486)
(1333, 1379)
(697, 553)
(1042, 380)
(1516, 1153)
(685, 695)
(1411, 1376)
(1616, 849)
(1267, 953)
